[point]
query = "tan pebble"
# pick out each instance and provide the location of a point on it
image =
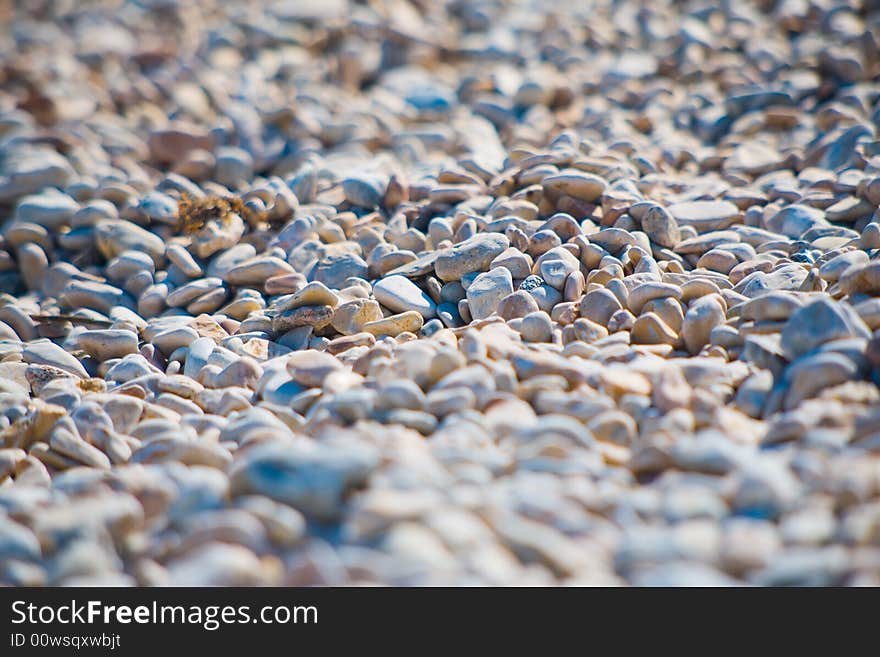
(645, 292)
(622, 320)
(310, 367)
(599, 305)
(703, 315)
(669, 310)
(350, 317)
(621, 381)
(346, 342)
(517, 304)
(649, 328)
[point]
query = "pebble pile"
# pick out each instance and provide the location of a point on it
(318, 292)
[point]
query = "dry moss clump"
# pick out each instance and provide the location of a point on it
(194, 213)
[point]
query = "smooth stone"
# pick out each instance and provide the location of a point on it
(51, 209)
(364, 191)
(808, 376)
(223, 262)
(556, 265)
(173, 144)
(649, 328)
(818, 322)
(104, 344)
(44, 352)
(312, 294)
(706, 242)
(758, 283)
(863, 279)
(660, 226)
(314, 316)
(473, 255)
(309, 368)
(350, 317)
(400, 294)
(115, 236)
(30, 169)
(186, 294)
(233, 166)
(410, 321)
(255, 271)
(218, 236)
(170, 340)
(795, 220)
(703, 315)
(642, 294)
(314, 478)
(705, 216)
(613, 240)
(773, 306)
(599, 305)
(518, 304)
(33, 264)
(580, 185)
(487, 291)
(334, 270)
(159, 207)
(536, 327)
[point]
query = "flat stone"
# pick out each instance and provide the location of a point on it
(312, 477)
(399, 294)
(580, 185)
(409, 321)
(474, 254)
(115, 236)
(795, 220)
(309, 368)
(255, 271)
(104, 344)
(44, 352)
(705, 216)
(333, 271)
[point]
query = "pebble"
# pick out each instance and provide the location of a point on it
(44, 352)
(393, 325)
(399, 294)
(487, 291)
(705, 216)
(660, 226)
(312, 478)
(472, 255)
(113, 237)
(818, 322)
(703, 315)
(105, 344)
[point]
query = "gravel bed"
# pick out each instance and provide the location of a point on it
(399, 292)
